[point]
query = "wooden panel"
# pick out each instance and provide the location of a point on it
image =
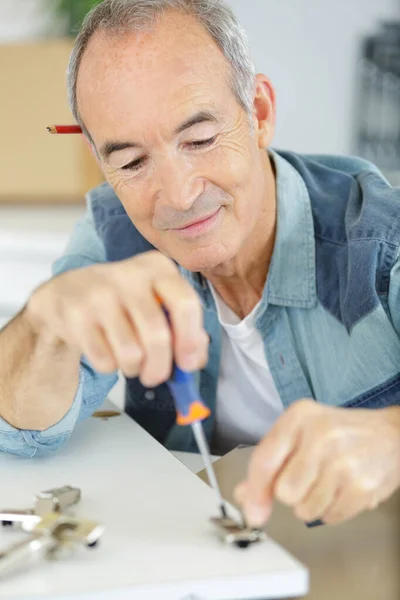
(34, 165)
(356, 560)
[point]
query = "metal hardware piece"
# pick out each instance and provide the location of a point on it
(53, 533)
(54, 500)
(10, 517)
(28, 550)
(68, 530)
(106, 414)
(57, 499)
(237, 534)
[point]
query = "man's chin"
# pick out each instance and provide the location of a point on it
(203, 259)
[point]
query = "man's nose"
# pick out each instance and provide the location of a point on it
(179, 186)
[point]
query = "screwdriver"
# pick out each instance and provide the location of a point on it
(191, 410)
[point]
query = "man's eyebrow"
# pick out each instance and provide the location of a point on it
(203, 116)
(110, 147)
(200, 117)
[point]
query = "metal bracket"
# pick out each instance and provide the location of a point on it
(237, 534)
(55, 500)
(53, 533)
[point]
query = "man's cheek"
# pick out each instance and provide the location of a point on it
(233, 171)
(124, 187)
(143, 219)
(136, 203)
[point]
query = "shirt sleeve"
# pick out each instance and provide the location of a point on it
(84, 248)
(394, 295)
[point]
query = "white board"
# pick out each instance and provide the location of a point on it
(158, 543)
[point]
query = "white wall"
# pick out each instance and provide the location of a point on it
(309, 50)
(307, 47)
(24, 19)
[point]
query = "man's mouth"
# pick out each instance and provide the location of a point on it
(199, 226)
(196, 222)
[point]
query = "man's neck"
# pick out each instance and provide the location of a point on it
(240, 282)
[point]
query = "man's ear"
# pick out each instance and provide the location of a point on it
(264, 111)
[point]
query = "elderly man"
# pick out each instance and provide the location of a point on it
(280, 272)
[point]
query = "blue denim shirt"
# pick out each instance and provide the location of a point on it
(330, 311)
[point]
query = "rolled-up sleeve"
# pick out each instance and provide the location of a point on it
(84, 248)
(92, 389)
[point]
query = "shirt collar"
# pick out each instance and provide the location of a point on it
(291, 277)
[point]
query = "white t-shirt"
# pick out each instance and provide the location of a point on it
(248, 402)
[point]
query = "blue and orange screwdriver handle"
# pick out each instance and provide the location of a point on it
(189, 406)
(191, 410)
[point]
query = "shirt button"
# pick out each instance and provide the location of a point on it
(149, 394)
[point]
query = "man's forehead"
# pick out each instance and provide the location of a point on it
(175, 38)
(121, 76)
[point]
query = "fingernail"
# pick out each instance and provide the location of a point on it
(256, 515)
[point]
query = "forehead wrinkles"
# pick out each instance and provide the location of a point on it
(133, 102)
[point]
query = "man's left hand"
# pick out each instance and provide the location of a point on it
(327, 463)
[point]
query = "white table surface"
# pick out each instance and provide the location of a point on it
(193, 462)
(158, 544)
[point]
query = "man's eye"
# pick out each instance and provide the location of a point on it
(203, 143)
(134, 165)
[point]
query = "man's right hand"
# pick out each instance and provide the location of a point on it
(112, 314)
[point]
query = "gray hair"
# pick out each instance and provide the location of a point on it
(122, 16)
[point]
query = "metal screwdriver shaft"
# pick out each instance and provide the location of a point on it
(205, 453)
(191, 410)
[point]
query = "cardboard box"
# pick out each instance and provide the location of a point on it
(35, 166)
